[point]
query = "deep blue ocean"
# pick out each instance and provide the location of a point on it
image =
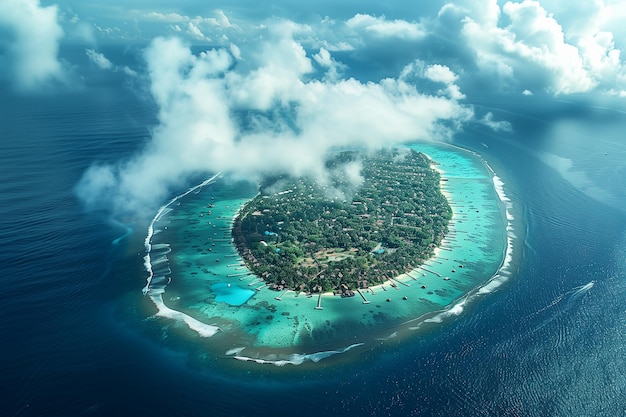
(77, 337)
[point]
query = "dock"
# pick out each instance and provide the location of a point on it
(240, 274)
(365, 300)
(280, 297)
(432, 272)
(399, 282)
(319, 302)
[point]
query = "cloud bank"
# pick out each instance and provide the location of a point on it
(32, 44)
(554, 46)
(275, 110)
(276, 96)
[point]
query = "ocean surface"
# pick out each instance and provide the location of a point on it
(78, 336)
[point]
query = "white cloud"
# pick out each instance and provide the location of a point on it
(220, 20)
(382, 28)
(195, 31)
(535, 48)
(263, 115)
(104, 63)
(281, 64)
(532, 44)
(440, 74)
(99, 59)
(235, 51)
(194, 27)
(333, 68)
(166, 17)
(498, 126)
(33, 44)
(436, 73)
(129, 71)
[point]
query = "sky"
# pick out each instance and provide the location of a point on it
(255, 88)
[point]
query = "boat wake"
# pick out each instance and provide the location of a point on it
(558, 308)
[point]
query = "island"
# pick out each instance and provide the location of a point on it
(233, 243)
(371, 218)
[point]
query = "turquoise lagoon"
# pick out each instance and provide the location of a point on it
(197, 277)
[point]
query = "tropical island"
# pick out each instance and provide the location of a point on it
(371, 219)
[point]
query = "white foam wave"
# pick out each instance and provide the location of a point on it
(234, 351)
(455, 310)
(391, 336)
(203, 329)
(160, 213)
(510, 229)
(503, 273)
(155, 284)
(297, 358)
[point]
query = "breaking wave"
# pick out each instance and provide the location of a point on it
(159, 272)
(295, 358)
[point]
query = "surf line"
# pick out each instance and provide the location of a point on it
(157, 217)
(503, 272)
(156, 295)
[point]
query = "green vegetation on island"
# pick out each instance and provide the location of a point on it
(351, 230)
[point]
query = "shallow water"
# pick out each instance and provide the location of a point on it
(204, 278)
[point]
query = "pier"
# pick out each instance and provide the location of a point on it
(240, 274)
(432, 272)
(280, 297)
(365, 300)
(319, 302)
(399, 282)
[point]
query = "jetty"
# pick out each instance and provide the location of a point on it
(411, 276)
(240, 274)
(365, 300)
(280, 297)
(432, 272)
(399, 282)
(319, 302)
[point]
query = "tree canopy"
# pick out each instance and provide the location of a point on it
(372, 218)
